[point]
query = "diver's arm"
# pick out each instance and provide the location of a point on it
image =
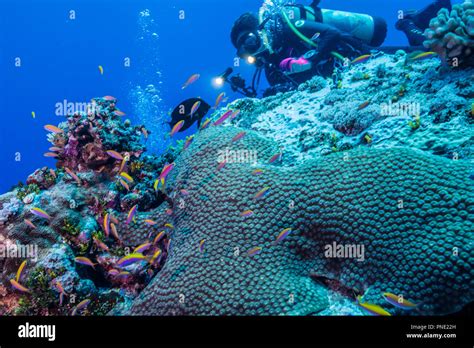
(328, 39)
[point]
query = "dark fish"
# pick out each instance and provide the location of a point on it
(183, 113)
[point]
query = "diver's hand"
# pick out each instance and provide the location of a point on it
(294, 66)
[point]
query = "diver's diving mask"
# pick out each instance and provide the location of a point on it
(249, 43)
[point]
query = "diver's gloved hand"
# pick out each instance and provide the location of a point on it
(293, 65)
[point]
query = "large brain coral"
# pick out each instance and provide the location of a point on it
(452, 34)
(412, 213)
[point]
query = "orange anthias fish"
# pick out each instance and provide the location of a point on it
(361, 59)
(40, 213)
(166, 170)
(131, 214)
(50, 154)
(177, 128)
(219, 100)
(18, 286)
(29, 223)
(53, 129)
(115, 154)
(195, 108)
(72, 175)
(84, 261)
(191, 80)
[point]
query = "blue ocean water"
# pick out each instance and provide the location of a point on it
(60, 44)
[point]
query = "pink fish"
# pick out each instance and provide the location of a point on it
(156, 257)
(222, 119)
(50, 154)
(53, 173)
(82, 305)
(254, 251)
(221, 165)
(106, 224)
(142, 248)
(246, 213)
(195, 108)
(238, 136)
(191, 79)
(119, 113)
(109, 98)
(72, 175)
(205, 123)
(150, 222)
(235, 114)
(159, 237)
(113, 230)
(130, 259)
(201, 245)
(188, 142)
(40, 213)
(18, 286)
(53, 129)
(84, 261)
(113, 272)
(126, 177)
(55, 149)
(101, 244)
(115, 154)
(131, 214)
(184, 192)
(262, 193)
(124, 184)
(59, 287)
(276, 157)
(361, 59)
(177, 128)
(169, 212)
(29, 223)
(219, 100)
(166, 170)
(283, 234)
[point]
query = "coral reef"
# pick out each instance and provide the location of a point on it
(347, 198)
(451, 35)
(248, 234)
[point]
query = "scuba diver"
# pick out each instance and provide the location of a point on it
(294, 42)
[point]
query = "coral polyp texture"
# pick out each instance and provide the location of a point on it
(350, 198)
(298, 205)
(451, 34)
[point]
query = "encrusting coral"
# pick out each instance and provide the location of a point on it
(451, 35)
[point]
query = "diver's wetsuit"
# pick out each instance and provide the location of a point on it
(286, 44)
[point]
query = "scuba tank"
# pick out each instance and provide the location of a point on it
(371, 30)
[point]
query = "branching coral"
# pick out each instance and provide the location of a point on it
(451, 35)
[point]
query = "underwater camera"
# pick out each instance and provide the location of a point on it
(237, 83)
